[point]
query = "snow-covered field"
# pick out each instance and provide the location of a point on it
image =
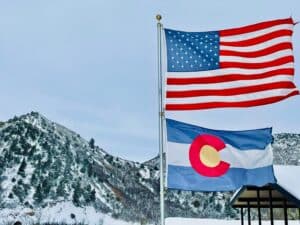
(188, 221)
(63, 212)
(66, 212)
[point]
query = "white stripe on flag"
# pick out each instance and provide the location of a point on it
(178, 155)
(232, 98)
(261, 59)
(258, 46)
(245, 36)
(232, 84)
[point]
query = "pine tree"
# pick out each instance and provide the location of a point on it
(77, 194)
(229, 211)
(92, 143)
(15, 148)
(34, 180)
(11, 195)
(22, 167)
(19, 190)
(31, 152)
(93, 196)
(90, 170)
(38, 195)
(60, 191)
(196, 203)
(46, 185)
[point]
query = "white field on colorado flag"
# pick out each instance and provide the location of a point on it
(247, 159)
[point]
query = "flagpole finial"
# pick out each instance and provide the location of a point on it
(158, 17)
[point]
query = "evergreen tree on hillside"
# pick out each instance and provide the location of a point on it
(20, 190)
(93, 196)
(15, 148)
(60, 191)
(31, 152)
(34, 179)
(92, 143)
(90, 170)
(22, 168)
(8, 156)
(38, 195)
(229, 211)
(46, 185)
(77, 194)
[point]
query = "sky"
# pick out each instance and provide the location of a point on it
(92, 66)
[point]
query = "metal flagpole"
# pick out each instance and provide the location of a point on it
(161, 120)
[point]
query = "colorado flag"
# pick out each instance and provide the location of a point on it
(202, 159)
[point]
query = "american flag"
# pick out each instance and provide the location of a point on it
(240, 67)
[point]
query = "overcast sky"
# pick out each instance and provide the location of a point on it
(91, 66)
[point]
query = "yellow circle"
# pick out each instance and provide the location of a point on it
(209, 156)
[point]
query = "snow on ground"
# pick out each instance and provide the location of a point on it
(286, 178)
(145, 173)
(189, 221)
(59, 213)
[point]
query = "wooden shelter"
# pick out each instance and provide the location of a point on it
(284, 194)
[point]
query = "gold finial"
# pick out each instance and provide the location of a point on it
(158, 17)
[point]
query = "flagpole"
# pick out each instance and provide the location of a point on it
(161, 119)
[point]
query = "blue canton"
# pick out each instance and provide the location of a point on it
(192, 51)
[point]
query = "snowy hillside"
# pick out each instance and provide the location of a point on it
(43, 164)
(286, 148)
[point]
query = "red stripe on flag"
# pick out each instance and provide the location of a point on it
(231, 91)
(258, 65)
(228, 78)
(258, 40)
(263, 52)
(243, 104)
(255, 27)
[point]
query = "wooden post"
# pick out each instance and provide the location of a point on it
(258, 206)
(271, 207)
(248, 210)
(242, 216)
(285, 213)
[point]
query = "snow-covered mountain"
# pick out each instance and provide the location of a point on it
(43, 164)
